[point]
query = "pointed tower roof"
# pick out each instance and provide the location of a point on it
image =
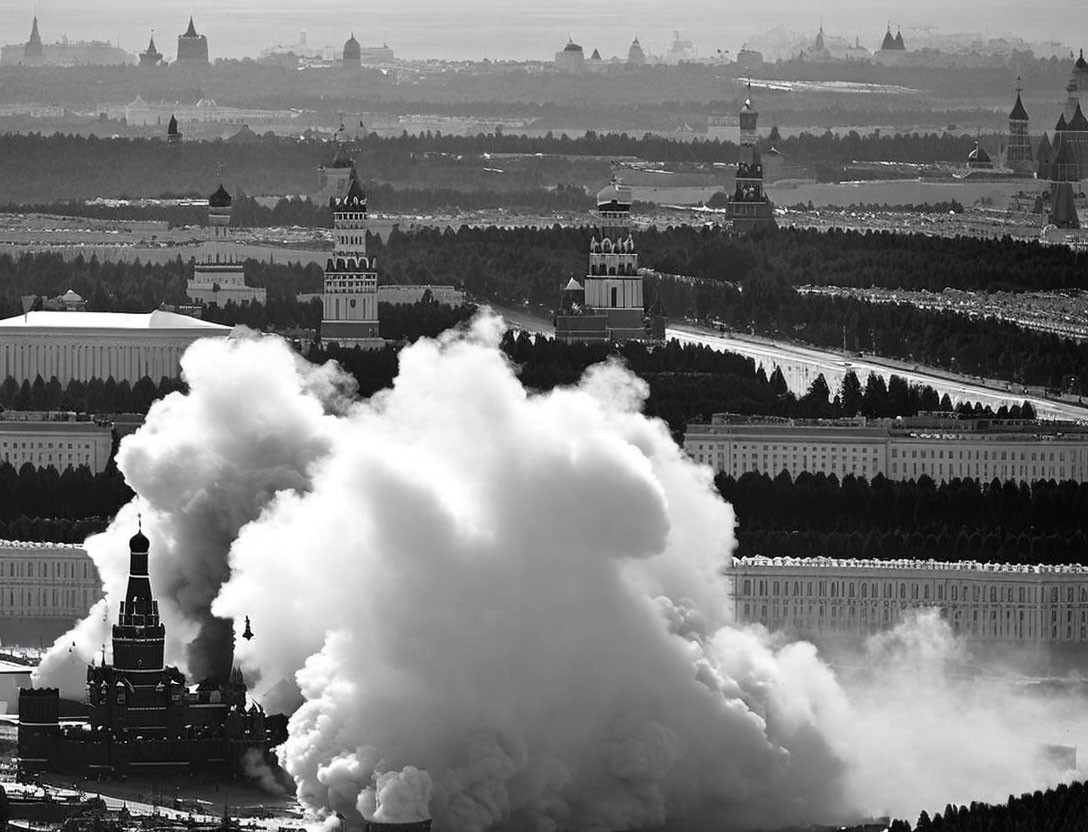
(1018, 112)
(34, 36)
(151, 45)
(220, 199)
(1078, 122)
(889, 39)
(191, 31)
(1044, 151)
(1081, 63)
(899, 45)
(172, 127)
(1061, 126)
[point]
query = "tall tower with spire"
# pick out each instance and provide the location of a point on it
(33, 52)
(350, 303)
(749, 207)
(151, 56)
(1072, 126)
(1018, 157)
(192, 48)
(335, 177)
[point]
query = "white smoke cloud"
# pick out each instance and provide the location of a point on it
(507, 609)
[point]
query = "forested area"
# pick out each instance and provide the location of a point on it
(817, 514)
(1061, 809)
(421, 172)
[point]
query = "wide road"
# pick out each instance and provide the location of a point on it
(801, 365)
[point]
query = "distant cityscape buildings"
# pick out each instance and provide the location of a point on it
(151, 56)
(35, 52)
(570, 58)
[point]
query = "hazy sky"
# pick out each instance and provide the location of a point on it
(523, 29)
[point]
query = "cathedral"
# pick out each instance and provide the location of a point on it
(749, 207)
(142, 716)
(609, 306)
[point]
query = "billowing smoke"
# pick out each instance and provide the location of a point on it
(506, 610)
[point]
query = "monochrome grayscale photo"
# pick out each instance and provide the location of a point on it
(543, 417)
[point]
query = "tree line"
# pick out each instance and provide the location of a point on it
(962, 519)
(1063, 808)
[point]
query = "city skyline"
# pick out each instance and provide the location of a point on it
(515, 30)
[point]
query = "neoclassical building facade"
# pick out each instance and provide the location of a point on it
(813, 597)
(46, 580)
(86, 345)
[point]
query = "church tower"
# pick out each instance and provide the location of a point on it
(610, 306)
(1019, 156)
(33, 53)
(139, 637)
(350, 305)
(219, 272)
(749, 207)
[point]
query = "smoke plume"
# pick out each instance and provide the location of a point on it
(506, 610)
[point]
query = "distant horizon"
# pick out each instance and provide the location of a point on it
(518, 30)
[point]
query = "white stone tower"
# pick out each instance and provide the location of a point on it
(350, 313)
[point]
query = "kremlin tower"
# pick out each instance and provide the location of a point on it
(33, 53)
(353, 53)
(1018, 157)
(142, 717)
(610, 306)
(1072, 126)
(749, 207)
(350, 306)
(219, 272)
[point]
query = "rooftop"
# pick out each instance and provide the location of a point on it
(907, 563)
(157, 320)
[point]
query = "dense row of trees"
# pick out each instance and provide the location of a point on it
(412, 172)
(817, 514)
(93, 396)
(1061, 809)
(73, 494)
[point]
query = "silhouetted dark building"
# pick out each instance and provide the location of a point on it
(33, 51)
(749, 207)
(192, 48)
(142, 715)
(353, 52)
(151, 56)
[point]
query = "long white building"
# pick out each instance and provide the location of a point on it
(86, 345)
(940, 447)
(812, 597)
(44, 589)
(60, 440)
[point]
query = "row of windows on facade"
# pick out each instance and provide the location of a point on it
(342, 285)
(866, 589)
(69, 461)
(818, 617)
(39, 568)
(874, 450)
(49, 445)
(629, 270)
(71, 601)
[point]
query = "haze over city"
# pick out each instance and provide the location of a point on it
(524, 30)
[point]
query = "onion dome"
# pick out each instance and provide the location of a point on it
(614, 197)
(352, 50)
(139, 544)
(1081, 63)
(220, 199)
(1078, 122)
(1018, 112)
(191, 31)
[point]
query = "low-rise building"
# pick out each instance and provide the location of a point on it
(941, 447)
(398, 294)
(63, 440)
(84, 345)
(45, 588)
(812, 597)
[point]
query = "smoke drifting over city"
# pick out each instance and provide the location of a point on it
(509, 607)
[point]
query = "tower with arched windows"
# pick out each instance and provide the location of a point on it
(350, 304)
(610, 305)
(749, 207)
(219, 271)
